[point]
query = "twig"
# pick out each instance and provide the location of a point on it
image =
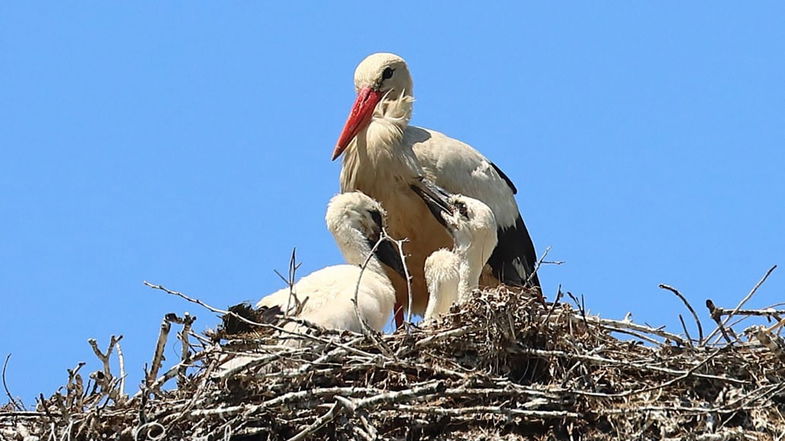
(743, 301)
(171, 373)
(105, 378)
(537, 268)
(614, 324)
(684, 376)
(121, 363)
(716, 317)
(247, 321)
(74, 388)
(581, 305)
(322, 420)
(479, 410)
(399, 245)
(435, 337)
(686, 332)
(366, 330)
(559, 295)
(630, 364)
(765, 312)
(42, 401)
(290, 281)
(397, 396)
(353, 406)
(5, 386)
(771, 341)
(158, 355)
(692, 311)
(187, 321)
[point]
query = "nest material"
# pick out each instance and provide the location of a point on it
(502, 366)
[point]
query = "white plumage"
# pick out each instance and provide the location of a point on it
(451, 275)
(325, 296)
(442, 277)
(385, 157)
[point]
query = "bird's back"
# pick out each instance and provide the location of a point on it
(325, 298)
(459, 168)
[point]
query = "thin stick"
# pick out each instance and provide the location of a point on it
(293, 267)
(187, 320)
(479, 410)
(322, 420)
(261, 325)
(684, 376)
(5, 386)
(743, 301)
(158, 355)
(399, 246)
(537, 268)
(613, 324)
(105, 380)
(627, 363)
(559, 295)
(364, 326)
(686, 332)
(121, 362)
(766, 312)
(692, 311)
(714, 316)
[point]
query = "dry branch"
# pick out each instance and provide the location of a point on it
(690, 308)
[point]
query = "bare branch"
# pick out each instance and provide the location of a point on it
(742, 302)
(692, 311)
(11, 398)
(158, 355)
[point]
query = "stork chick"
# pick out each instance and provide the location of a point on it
(325, 297)
(387, 158)
(451, 275)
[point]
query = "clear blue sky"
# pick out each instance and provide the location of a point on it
(188, 144)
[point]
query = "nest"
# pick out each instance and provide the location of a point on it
(502, 366)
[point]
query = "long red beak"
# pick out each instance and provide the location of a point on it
(359, 118)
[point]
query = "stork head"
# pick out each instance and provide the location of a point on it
(470, 222)
(379, 76)
(357, 223)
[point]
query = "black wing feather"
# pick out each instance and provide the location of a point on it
(506, 179)
(514, 243)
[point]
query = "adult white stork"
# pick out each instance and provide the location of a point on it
(324, 297)
(385, 158)
(451, 275)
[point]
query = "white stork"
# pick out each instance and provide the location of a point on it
(324, 297)
(386, 158)
(452, 274)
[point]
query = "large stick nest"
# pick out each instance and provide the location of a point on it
(501, 366)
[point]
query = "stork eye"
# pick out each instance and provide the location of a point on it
(462, 209)
(387, 73)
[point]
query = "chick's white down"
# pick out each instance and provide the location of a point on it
(324, 297)
(451, 275)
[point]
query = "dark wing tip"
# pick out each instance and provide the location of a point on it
(505, 177)
(514, 244)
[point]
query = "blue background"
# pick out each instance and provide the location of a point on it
(188, 144)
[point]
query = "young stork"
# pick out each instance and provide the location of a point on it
(325, 297)
(452, 274)
(386, 158)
